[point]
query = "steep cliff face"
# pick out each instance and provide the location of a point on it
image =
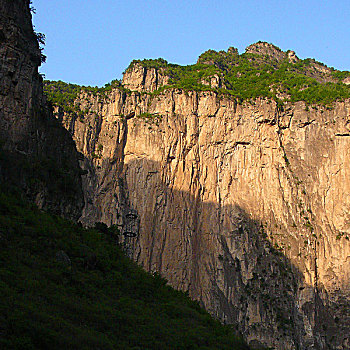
(140, 78)
(38, 155)
(246, 206)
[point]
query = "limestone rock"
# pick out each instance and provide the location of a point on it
(266, 49)
(244, 206)
(214, 81)
(292, 57)
(141, 78)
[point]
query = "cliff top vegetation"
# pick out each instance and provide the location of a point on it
(64, 94)
(263, 70)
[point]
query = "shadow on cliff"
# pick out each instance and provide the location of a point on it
(223, 258)
(44, 165)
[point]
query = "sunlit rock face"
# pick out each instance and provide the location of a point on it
(38, 155)
(139, 78)
(245, 206)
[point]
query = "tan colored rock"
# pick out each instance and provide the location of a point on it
(139, 78)
(214, 82)
(347, 81)
(292, 57)
(244, 206)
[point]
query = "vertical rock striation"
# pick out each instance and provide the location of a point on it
(245, 206)
(147, 79)
(38, 155)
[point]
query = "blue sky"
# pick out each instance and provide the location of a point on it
(91, 42)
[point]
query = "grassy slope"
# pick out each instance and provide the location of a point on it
(101, 300)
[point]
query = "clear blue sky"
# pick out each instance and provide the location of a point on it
(91, 42)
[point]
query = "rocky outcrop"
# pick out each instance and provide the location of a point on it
(245, 206)
(292, 57)
(316, 70)
(266, 49)
(346, 81)
(38, 155)
(140, 78)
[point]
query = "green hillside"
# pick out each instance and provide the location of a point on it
(65, 287)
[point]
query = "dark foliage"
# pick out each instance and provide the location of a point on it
(65, 287)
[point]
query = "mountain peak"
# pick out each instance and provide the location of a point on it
(266, 49)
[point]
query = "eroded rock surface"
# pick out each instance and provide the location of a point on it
(245, 206)
(37, 154)
(139, 78)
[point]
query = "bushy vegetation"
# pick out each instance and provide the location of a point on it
(150, 118)
(182, 77)
(150, 63)
(191, 77)
(64, 94)
(245, 77)
(66, 287)
(248, 76)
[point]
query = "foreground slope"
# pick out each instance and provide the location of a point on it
(230, 178)
(64, 287)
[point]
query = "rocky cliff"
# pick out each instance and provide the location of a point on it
(242, 198)
(245, 205)
(37, 154)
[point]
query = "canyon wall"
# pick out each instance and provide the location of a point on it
(246, 206)
(37, 154)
